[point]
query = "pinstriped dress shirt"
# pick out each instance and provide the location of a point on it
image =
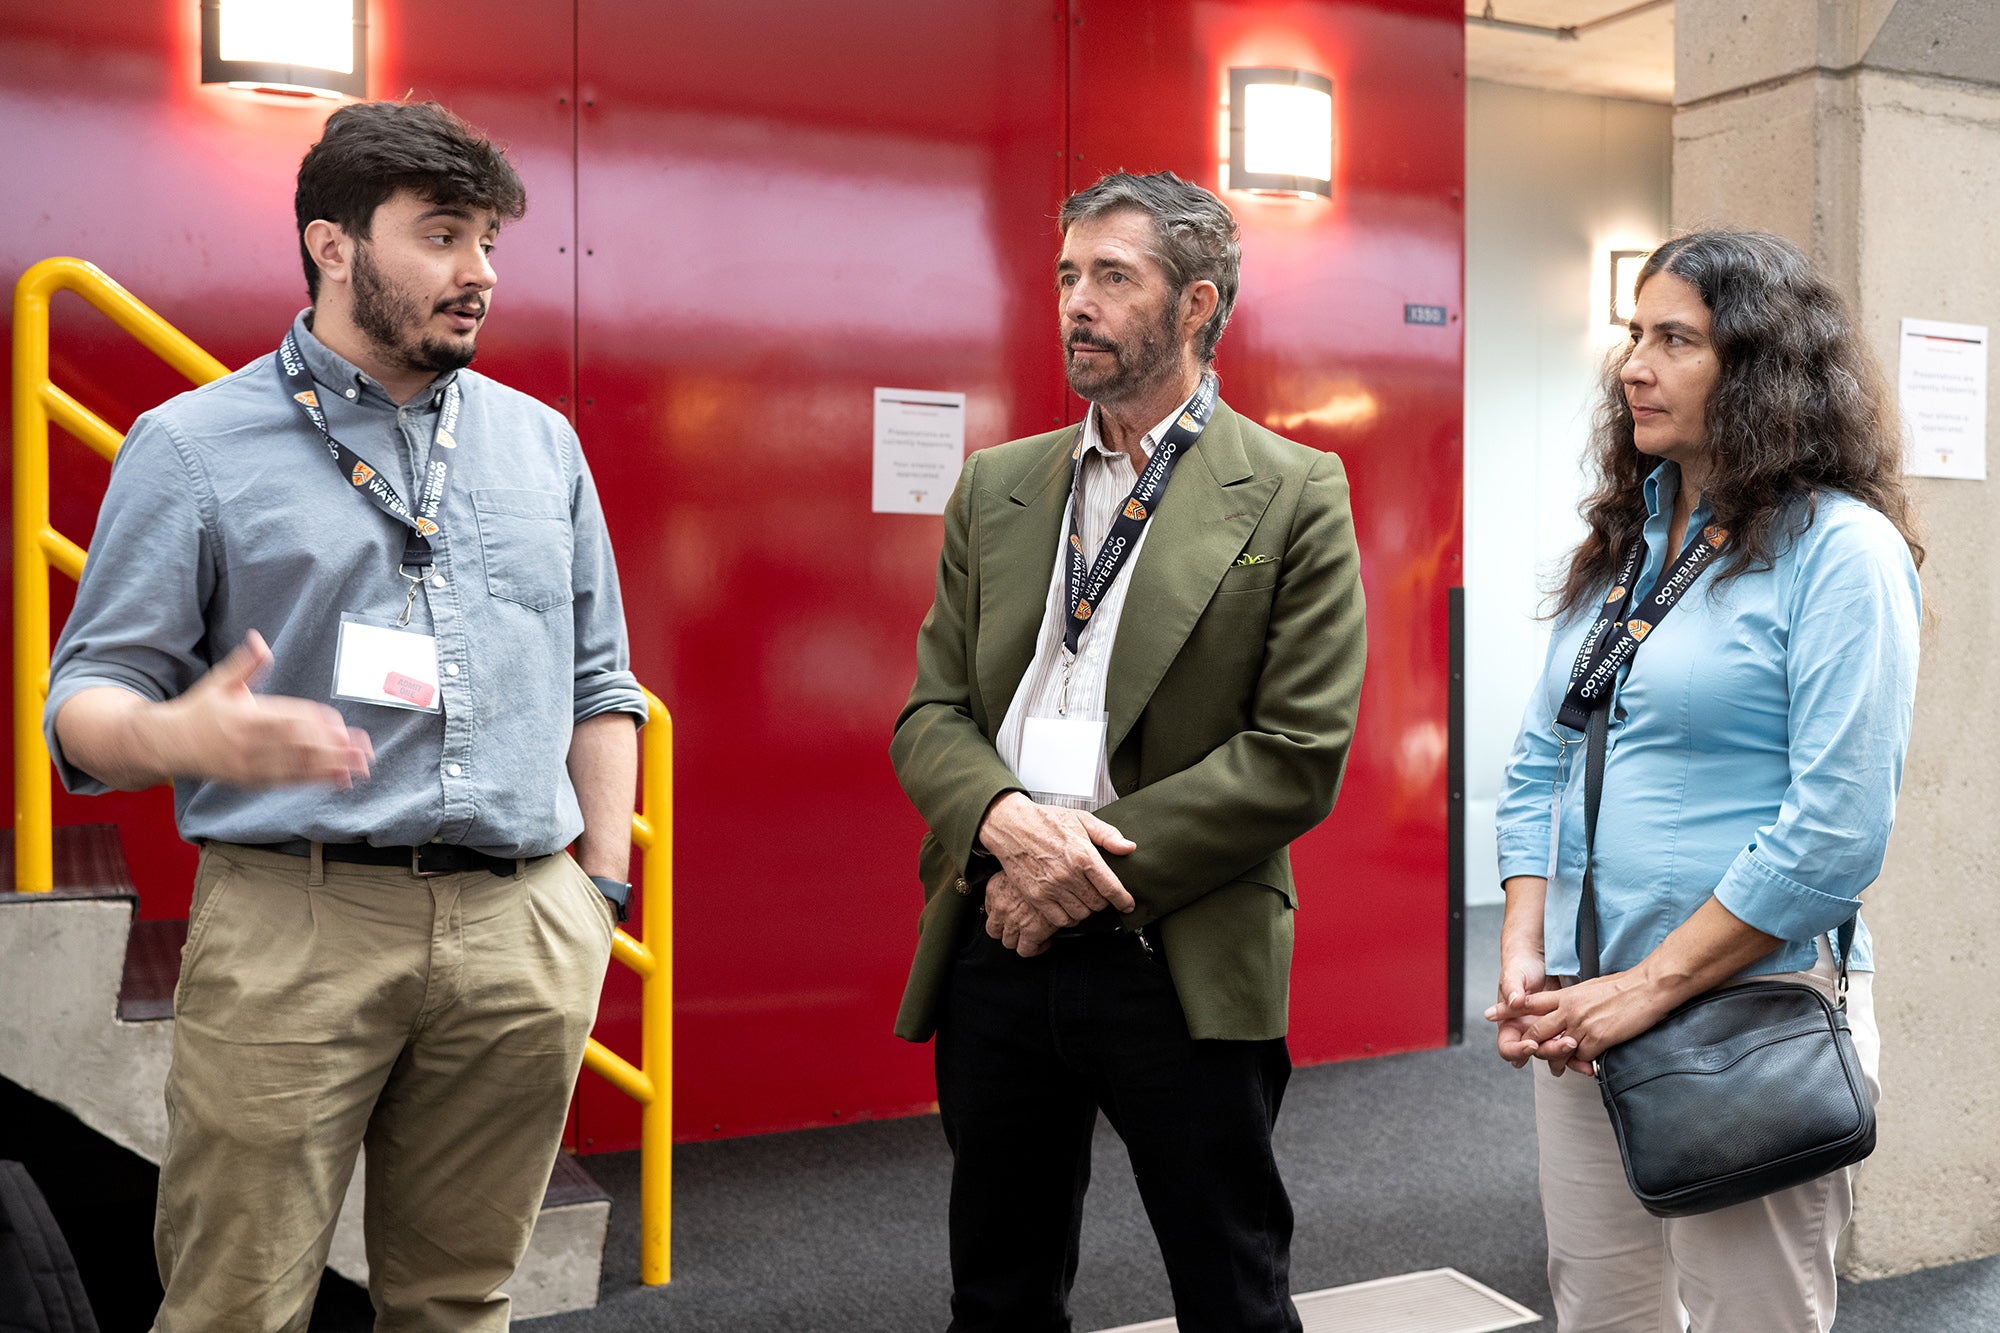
(1108, 477)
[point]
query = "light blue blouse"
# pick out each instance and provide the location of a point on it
(1756, 747)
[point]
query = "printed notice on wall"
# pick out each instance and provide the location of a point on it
(1942, 388)
(919, 449)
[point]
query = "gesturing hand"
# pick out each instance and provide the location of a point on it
(1050, 857)
(220, 730)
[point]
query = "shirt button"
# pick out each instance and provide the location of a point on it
(438, 838)
(453, 769)
(437, 580)
(350, 393)
(451, 668)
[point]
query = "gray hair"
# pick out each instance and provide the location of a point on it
(1194, 236)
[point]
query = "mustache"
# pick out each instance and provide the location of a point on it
(1092, 341)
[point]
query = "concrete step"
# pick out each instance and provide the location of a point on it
(86, 1021)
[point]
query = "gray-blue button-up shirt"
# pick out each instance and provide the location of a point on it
(226, 513)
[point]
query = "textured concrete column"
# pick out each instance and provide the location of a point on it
(1868, 131)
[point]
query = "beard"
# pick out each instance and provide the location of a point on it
(390, 319)
(1137, 366)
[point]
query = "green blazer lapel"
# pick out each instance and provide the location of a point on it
(1211, 507)
(1017, 557)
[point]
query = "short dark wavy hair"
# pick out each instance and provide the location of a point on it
(371, 150)
(1195, 236)
(1799, 408)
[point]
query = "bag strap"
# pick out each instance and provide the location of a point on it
(1596, 736)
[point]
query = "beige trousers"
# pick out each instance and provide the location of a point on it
(440, 1021)
(1765, 1266)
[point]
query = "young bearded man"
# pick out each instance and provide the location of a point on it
(357, 603)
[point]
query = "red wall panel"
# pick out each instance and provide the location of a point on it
(743, 219)
(1318, 351)
(785, 206)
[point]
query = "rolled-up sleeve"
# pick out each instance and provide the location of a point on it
(138, 622)
(1522, 823)
(604, 682)
(1851, 669)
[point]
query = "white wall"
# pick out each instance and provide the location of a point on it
(1554, 182)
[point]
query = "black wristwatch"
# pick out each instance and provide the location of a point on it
(618, 891)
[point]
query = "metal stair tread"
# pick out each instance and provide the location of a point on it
(152, 970)
(571, 1184)
(89, 863)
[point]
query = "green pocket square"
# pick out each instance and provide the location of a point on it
(1247, 559)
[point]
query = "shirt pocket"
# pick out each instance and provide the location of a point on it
(525, 539)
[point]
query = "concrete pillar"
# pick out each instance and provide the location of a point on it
(1868, 131)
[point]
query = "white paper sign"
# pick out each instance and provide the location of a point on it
(1942, 387)
(919, 449)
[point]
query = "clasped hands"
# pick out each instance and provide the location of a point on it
(1568, 1027)
(1052, 870)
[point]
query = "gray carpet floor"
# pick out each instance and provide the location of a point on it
(1394, 1164)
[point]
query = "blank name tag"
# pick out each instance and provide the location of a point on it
(379, 662)
(1061, 755)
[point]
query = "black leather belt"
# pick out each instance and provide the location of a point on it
(434, 858)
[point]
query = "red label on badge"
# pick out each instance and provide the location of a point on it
(406, 687)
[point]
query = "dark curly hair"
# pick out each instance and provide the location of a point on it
(370, 150)
(1799, 408)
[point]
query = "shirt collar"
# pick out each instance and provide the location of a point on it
(1093, 440)
(337, 374)
(1663, 485)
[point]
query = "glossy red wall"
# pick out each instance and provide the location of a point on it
(743, 219)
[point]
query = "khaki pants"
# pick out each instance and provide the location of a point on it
(1765, 1266)
(439, 1021)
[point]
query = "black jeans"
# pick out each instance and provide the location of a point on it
(1028, 1050)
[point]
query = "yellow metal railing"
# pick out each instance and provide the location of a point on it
(40, 549)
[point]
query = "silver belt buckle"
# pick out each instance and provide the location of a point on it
(417, 865)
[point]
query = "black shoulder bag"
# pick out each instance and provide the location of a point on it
(1743, 1091)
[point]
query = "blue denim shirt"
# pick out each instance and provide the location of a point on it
(1756, 747)
(225, 513)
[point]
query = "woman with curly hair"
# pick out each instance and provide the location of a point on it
(1748, 462)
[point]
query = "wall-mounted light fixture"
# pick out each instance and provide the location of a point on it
(1625, 266)
(304, 47)
(1281, 131)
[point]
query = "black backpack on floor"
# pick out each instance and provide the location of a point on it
(39, 1289)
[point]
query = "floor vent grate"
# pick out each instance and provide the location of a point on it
(1441, 1300)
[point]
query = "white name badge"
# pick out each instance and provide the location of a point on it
(380, 662)
(1061, 755)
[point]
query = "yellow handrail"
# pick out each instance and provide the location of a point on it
(651, 955)
(39, 548)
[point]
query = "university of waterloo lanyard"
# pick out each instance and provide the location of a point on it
(1084, 587)
(1616, 637)
(422, 523)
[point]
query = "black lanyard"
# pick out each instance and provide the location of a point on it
(1615, 637)
(1084, 588)
(422, 524)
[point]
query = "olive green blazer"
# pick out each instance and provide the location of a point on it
(1232, 693)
